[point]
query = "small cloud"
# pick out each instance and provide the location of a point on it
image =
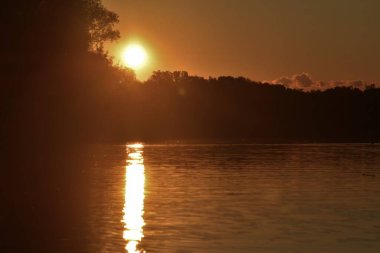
(303, 80)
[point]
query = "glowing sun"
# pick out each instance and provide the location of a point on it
(134, 56)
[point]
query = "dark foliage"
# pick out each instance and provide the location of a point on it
(54, 72)
(174, 105)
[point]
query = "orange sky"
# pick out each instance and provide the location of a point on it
(262, 40)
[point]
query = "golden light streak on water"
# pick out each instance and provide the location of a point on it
(134, 198)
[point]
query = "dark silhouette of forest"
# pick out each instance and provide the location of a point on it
(59, 84)
(60, 89)
(175, 105)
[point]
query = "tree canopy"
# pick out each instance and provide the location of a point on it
(36, 29)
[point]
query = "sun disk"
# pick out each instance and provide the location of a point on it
(134, 56)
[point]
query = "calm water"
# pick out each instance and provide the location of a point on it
(236, 198)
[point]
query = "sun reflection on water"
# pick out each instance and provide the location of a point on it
(134, 198)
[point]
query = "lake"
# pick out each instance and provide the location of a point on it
(236, 198)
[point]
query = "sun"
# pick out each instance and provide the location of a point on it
(134, 56)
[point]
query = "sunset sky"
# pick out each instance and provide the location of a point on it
(262, 40)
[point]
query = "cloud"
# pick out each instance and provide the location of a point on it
(286, 81)
(304, 81)
(298, 81)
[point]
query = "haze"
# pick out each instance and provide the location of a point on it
(262, 40)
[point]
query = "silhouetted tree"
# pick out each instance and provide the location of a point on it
(101, 26)
(53, 55)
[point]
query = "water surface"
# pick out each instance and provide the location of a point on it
(236, 198)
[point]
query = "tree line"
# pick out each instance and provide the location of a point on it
(176, 105)
(59, 83)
